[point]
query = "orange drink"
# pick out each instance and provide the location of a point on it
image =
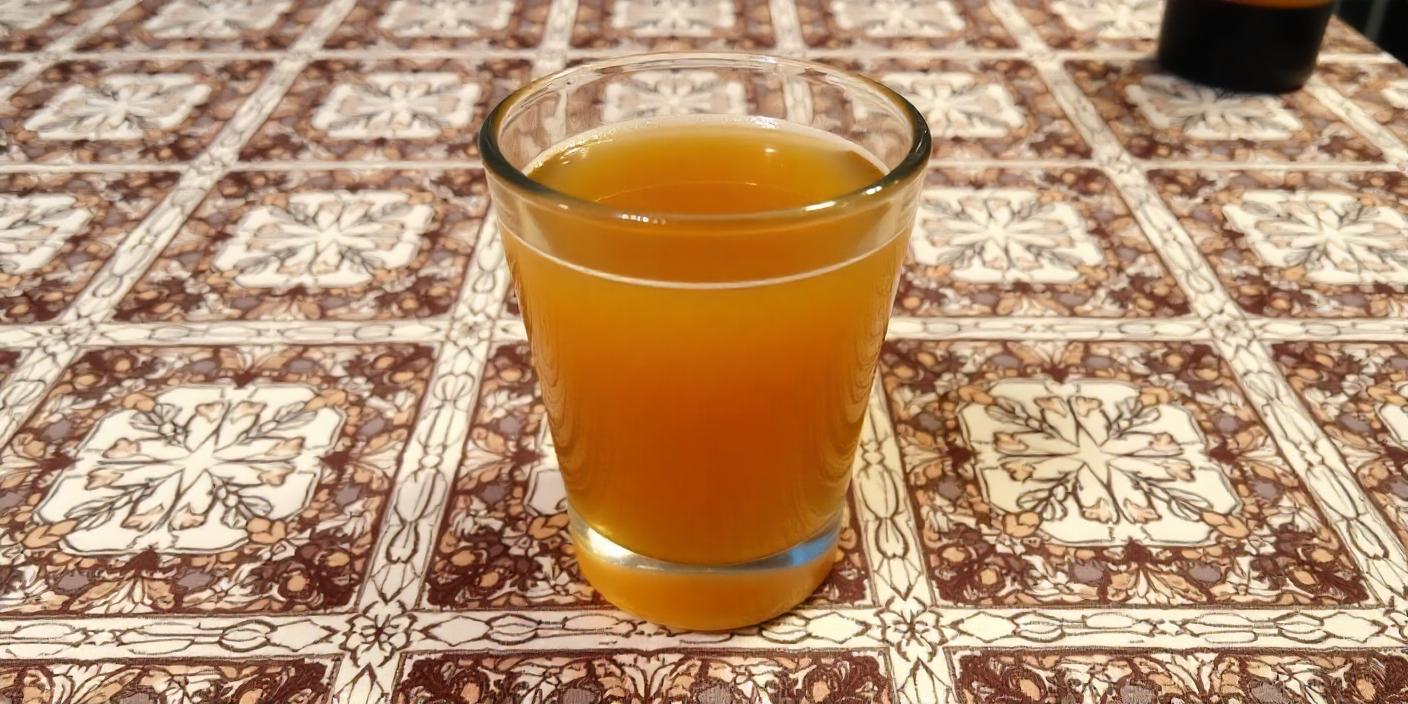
(705, 297)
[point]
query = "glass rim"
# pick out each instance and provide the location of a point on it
(913, 162)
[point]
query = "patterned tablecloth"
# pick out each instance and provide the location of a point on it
(270, 433)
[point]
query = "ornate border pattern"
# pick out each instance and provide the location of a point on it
(895, 633)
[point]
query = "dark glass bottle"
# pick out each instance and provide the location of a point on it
(1264, 46)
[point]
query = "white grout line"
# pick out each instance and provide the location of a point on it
(292, 332)
(1017, 328)
(40, 167)
(557, 35)
(1148, 165)
(430, 463)
(966, 164)
(1329, 329)
(358, 165)
(786, 27)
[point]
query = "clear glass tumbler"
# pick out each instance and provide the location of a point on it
(705, 375)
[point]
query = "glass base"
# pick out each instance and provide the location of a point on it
(704, 597)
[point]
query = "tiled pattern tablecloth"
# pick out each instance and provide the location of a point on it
(270, 432)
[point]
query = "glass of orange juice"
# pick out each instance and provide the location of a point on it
(705, 247)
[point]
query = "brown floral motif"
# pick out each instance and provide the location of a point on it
(1299, 244)
(29, 25)
(673, 24)
(1056, 473)
(442, 24)
(344, 245)
(1381, 89)
(8, 359)
(901, 24)
(1158, 116)
(245, 682)
(504, 539)
(1031, 242)
(57, 230)
(213, 480)
(997, 109)
(1358, 392)
(212, 25)
(676, 676)
(144, 111)
(1192, 677)
(346, 109)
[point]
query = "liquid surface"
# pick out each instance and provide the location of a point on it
(710, 423)
(720, 167)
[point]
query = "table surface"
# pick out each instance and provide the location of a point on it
(270, 433)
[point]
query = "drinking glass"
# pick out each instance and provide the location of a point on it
(705, 375)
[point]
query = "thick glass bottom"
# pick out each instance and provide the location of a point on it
(704, 597)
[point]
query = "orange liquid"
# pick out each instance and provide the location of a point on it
(706, 380)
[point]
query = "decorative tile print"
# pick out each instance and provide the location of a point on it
(417, 105)
(1381, 89)
(260, 681)
(1134, 25)
(29, 25)
(1300, 244)
(134, 486)
(219, 479)
(38, 227)
(1032, 446)
(1342, 677)
(504, 541)
(1091, 24)
(986, 109)
(344, 245)
(1358, 393)
(1335, 237)
(660, 93)
(1102, 473)
(376, 110)
(377, 517)
(675, 676)
(142, 102)
(673, 24)
(57, 230)
(901, 24)
(1031, 243)
(1169, 102)
(442, 24)
(1158, 116)
(207, 24)
(142, 111)
(640, 94)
